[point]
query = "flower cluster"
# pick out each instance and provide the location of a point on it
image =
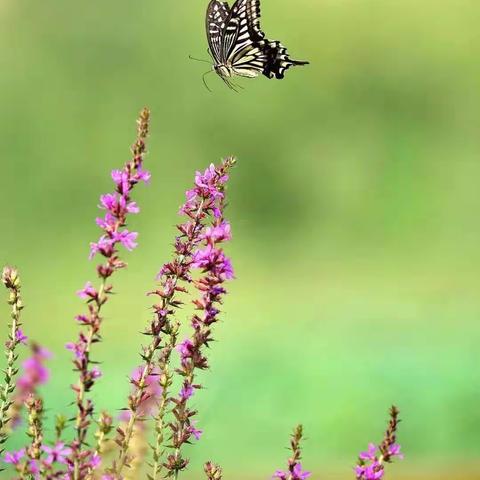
(294, 471)
(215, 267)
(205, 201)
(117, 206)
(371, 463)
(39, 468)
(199, 269)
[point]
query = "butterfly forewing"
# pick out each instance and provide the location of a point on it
(217, 17)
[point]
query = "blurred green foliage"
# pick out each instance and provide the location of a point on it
(355, 209)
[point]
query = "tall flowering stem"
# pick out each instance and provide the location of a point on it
(11, 281)
(215, 268)
(118, 206)
(166, 380)
(294, 470)
(202, 201)
(32, 463)
(371, 463)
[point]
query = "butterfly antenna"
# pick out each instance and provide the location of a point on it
(199, 59)
(205, 82)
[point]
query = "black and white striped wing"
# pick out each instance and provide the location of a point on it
(252, 52)
(216, 21)
(246, 54)
(236, 40)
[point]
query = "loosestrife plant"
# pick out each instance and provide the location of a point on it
(92, 444)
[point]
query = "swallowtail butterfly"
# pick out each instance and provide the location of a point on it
(239, 47)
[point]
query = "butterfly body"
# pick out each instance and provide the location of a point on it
(238, 46)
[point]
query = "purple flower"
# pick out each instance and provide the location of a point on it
(213, 260)
(94, 461)
(394, 451)
(14, 458)
(78, 349)
(373, 471)
(370, 454)
(21, 337)
(280, 474)
(109, 202)
(298, 474)
(34, 372)
(126, 238)
(33, 467)
(107, 222)
(153, 391)
(187, 391)
(57, 454)
(88, 291)
(103, 246)
(185, 348)
(193, 431)
(220, 233)
(143, 175)
(122, 180)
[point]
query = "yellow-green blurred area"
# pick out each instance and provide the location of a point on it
(355, 208)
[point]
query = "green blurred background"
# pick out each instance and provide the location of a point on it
(355, 209)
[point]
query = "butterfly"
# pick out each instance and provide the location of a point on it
(238, 46)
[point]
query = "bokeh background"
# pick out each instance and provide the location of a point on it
(355, 209)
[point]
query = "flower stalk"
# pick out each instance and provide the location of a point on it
(202, 201)
(294, 470)
(215, 268)
(117, 206)
(371, 463)
(11, 281)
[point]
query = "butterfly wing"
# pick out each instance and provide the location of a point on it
(278, 60)
(236, 39)
(244, 45)
(216, 21)
(252, 53)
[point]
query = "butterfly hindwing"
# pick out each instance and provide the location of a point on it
(278, 60)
